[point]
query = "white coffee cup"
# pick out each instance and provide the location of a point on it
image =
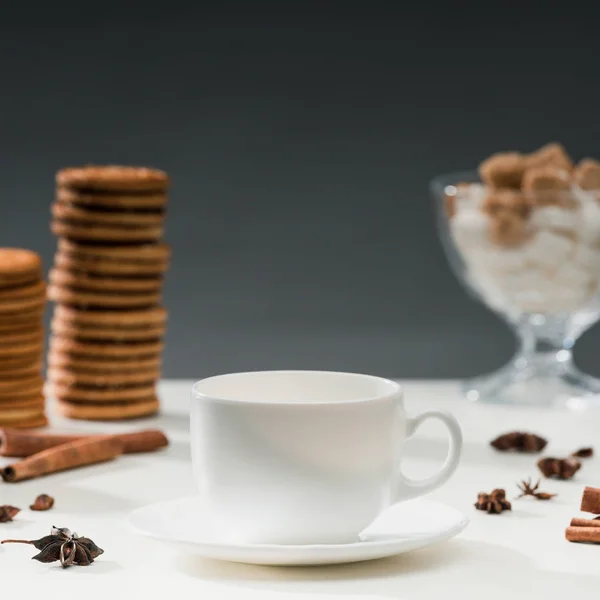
(304, 457)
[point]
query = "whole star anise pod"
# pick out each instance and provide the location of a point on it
(493, 503)
(584, 453)
(63, 545)
(7, 513)
(528, 490)
(42, 502)
(519, 441)
(560, 468)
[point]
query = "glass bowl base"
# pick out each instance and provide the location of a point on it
(566, 387)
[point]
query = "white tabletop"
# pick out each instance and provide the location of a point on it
(518, 554)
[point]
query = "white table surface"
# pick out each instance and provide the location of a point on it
(519, 554)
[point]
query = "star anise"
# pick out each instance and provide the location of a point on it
(527, 490)
(519, 441)
(493, 503)
(7, 513)
(63, 545)
(560, 468)
(42, 502)
(584, 453)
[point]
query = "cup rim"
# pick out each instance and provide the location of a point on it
(395, 389)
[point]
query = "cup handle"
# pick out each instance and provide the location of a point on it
(411, 488)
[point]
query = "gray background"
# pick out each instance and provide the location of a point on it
(300, 139)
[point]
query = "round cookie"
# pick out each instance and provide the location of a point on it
(14, 373)
(81, 231)
(21, 305)
(82, 281)
(131, 318)
(27, 337)
(7, 326)
(110, 350)
(69, 377)
(24, 318)
(16, 384)
(10, 364)
(139, 252)
(27, 418)
(96, 299)
(33, 349)
(18, 265)
(101, 395)
(113, 178)
(108, 412)
(126, 201)
(32, 401)
(102, 365)
(32, 290)
(113, 334)
(103, 266)
(81, 215)
(25, 392)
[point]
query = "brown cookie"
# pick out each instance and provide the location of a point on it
(25, 349)
(57, 359)
(69, 377)
(108, 412)
(101, 395)
(110, 350)
(36, 336)
(21, 305)
(70, 296)
(31, 390)
(113, 178)
(7, 326)
(67, 212)
(86, 232)
(108, 267)
(127, 201)
(28, 370)
(26, 418)
(114, 334)
(131, 318)
(61, 276)
(31, 290)
(19, 266)
(16, 384)
(34, 400)
(138, 252)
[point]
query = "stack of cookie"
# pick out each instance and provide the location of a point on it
(108, 325)
(22, 301)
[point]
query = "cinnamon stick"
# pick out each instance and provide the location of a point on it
(69, 455)
(585, 522)
(21, 444)
(590, 501)
(590, 535)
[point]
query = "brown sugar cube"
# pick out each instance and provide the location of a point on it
(508, 229)
(587, 174)
(450, 197)
(548, 185)
(503, 170)
(502, 201)
(552, 154)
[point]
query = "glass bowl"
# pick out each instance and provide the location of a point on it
(535, 260)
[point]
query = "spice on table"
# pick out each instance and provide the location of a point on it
(63, 545)
(528, 490)
(519, 441)
(43, 502)
(577, 522)
(589, 535)
(584, 453)
(590, 501)
(79, 453)
(493, 503)
(560, 468)
(7, 513)
(21, 444)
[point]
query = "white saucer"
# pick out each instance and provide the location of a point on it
(404, 527)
